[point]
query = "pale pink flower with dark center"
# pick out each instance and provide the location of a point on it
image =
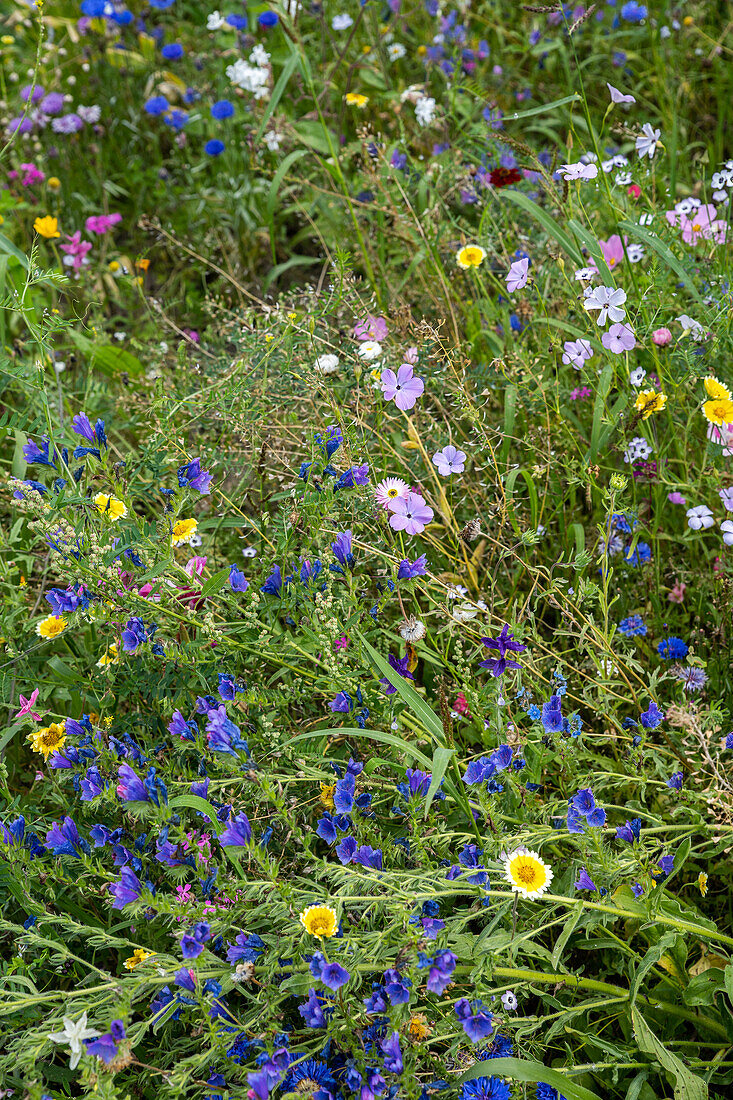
(518, 274)
(618, 339)
(409, 514)
(402, 388)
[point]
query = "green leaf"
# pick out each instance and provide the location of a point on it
(406, 691)
(522, 1069)
(548, 223)
(441, 760)
(288, 69)
(195, 802)
(372, 735)
(686, 1085)
(651, 958)
(565, 935)
(216, 583)
(110, 360)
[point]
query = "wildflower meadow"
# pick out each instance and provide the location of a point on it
(366, 550)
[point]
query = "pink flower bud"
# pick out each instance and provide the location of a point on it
(661, 336)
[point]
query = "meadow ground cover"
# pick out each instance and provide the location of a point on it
(367, 551)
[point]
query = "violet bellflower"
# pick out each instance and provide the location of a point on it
(192, 476)
(475, 1020)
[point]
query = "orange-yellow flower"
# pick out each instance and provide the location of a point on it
(47, 227)
(649, 401)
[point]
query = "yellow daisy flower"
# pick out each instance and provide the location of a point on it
(471, 255)
(526, 873)
(47, 227)
(138, 956)
(53, 182)
(319, 920)
(719, 410)
(649, 401)
(110, 507)
(326, 796)
(714, 388)
(47, 739)
(356, 99)
(182, 531)
(110, 656)
(51, 627)
(702, 883)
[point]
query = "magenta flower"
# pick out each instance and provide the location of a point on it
(102, 223)
(613, 251)
(402, 388)
(76, 251)
(410, 514)
(518, 275)
(618, 339)
(26, 706)
(371, 328)
(449, 461)
(661, 336)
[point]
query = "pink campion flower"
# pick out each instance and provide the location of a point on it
(195, 565)
(619, 97)
(75, 251)
(101, 223)
(580, 394)
(449, 461)
(26, 706)
(192, 335)
(341, 642)
(517, 275)
(633, 191)
(402, 388)
(409, 514)
(618, 339)
(677, 592)
(371, 328)
(29, 175)
(661, 337)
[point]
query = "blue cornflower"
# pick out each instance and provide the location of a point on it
(633, 12)
(640, 555)
(485, 1088)
(173, 51)
(268, 19)
(672, 648)
(238, 22)
(214, 147)
(633, 626)
(223, 108)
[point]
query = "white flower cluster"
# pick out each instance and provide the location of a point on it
(252, 75)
